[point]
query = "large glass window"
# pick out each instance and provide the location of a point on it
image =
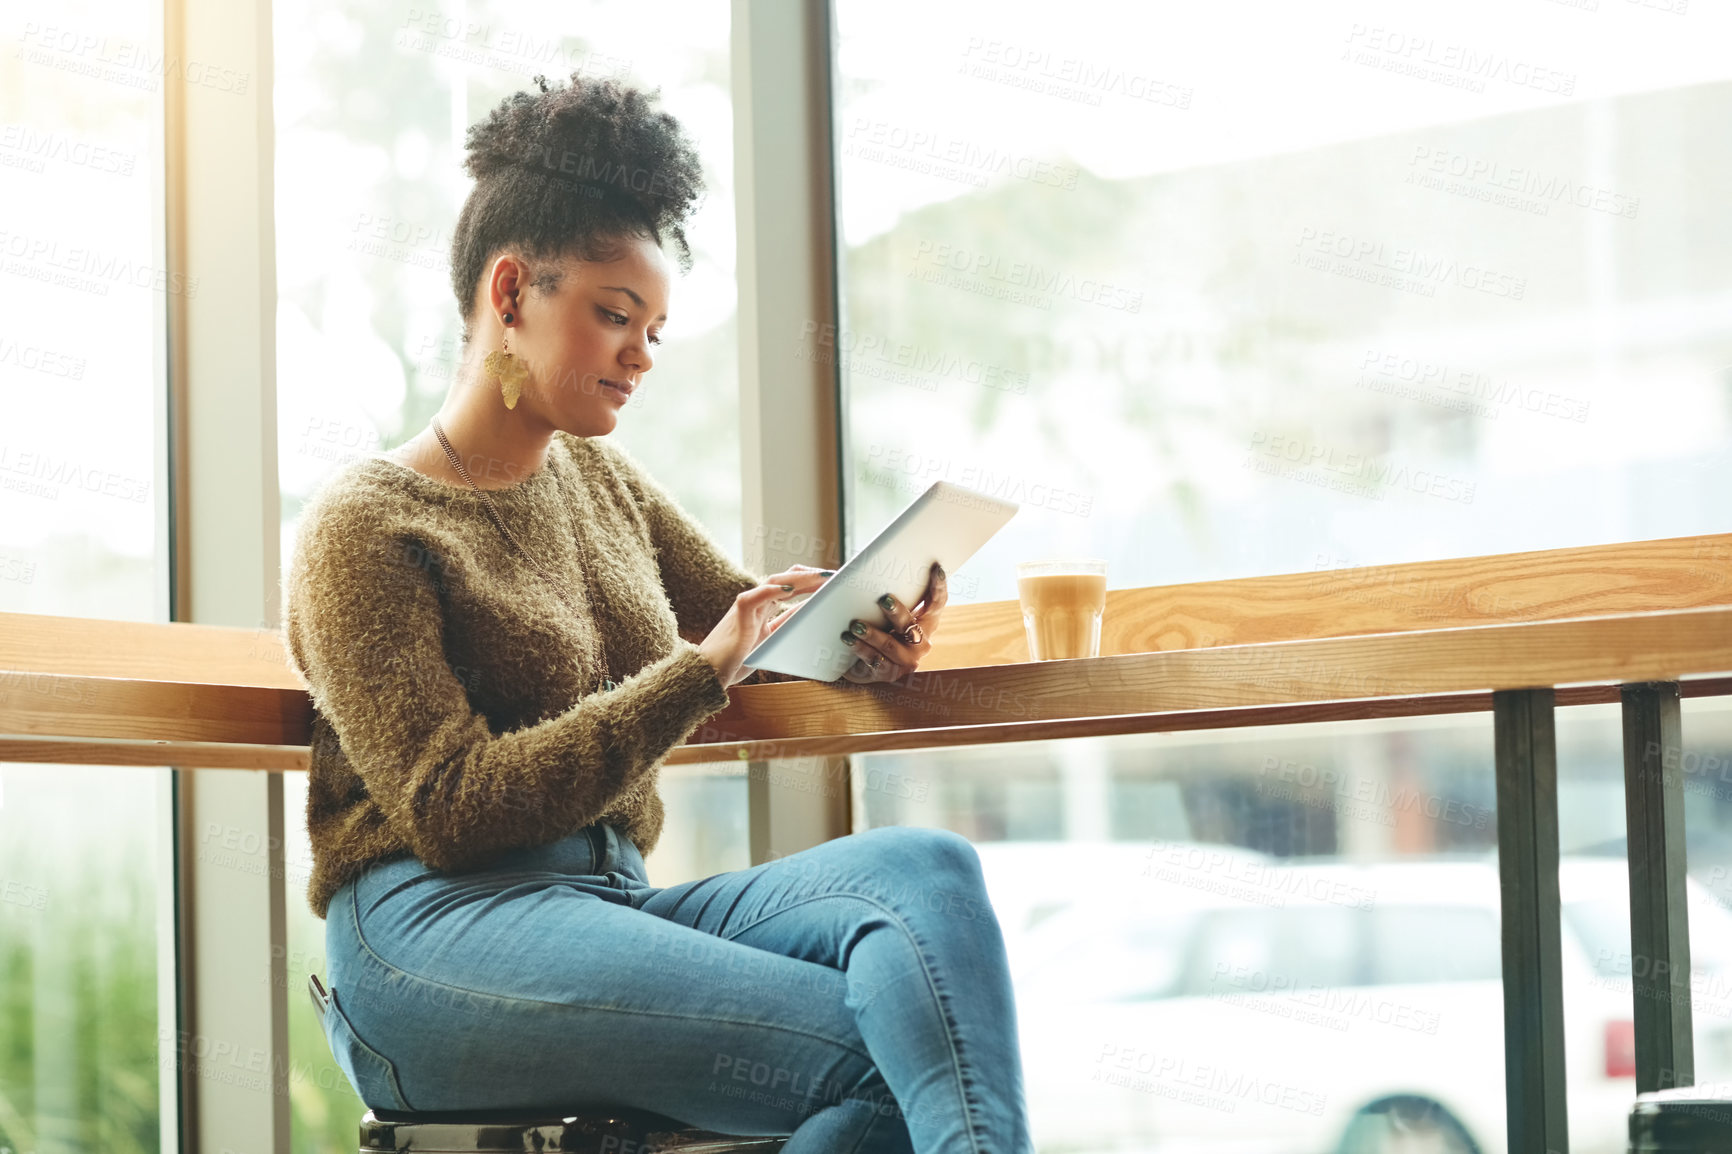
(1311, 909)
(85, 899)
(1251, 288)
(372, 104)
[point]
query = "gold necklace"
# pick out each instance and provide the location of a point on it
(598, 658)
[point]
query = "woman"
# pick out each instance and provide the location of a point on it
(506, 625)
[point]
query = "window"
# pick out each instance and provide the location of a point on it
(1255, 288)
(1259, 288)
(85, 893)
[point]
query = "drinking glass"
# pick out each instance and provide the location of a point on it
(1062, 603)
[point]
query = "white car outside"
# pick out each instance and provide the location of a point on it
(1214, 1001)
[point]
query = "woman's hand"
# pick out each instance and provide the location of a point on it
(748, 620)
(885, 655)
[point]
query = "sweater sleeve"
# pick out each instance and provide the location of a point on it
(701, 581)
(366, 633)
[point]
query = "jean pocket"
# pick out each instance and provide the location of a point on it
(371, 1073)
(597, 847)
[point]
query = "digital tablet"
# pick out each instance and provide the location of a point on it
(947, 524)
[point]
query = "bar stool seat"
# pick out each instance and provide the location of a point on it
(552, 1132)
(597, 1130)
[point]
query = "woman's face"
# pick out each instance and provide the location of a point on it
(588, 344)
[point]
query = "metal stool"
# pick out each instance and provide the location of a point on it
(512, 1132)
(553, 1131)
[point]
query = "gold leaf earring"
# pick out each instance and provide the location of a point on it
(508, 367)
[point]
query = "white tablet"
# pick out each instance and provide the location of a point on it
(947, 524)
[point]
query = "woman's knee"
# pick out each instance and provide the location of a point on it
(932, 852)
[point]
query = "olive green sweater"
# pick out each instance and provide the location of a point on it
(455, 705)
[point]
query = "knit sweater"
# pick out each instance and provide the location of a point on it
(456, 713)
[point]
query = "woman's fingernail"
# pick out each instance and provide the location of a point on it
(826, 572)
(859, 629)
(888, 602)
(787, 588)
(848, 637)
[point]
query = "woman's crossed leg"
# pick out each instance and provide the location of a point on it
(854, 993)
(902, 914)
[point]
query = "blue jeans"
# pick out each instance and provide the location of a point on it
(854, 994)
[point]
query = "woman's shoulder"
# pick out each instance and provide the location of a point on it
(360, 502)
(348, 546)
(351, 488)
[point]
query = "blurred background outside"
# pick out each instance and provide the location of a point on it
(1213, 291)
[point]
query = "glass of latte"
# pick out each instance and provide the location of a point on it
(1062, 603)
